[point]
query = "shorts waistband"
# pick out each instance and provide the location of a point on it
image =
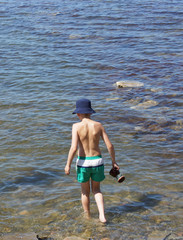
(89, 158)
(93, 161)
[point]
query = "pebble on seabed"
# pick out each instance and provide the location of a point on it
(78, 238)
(44, 238)
(24, 212)
(73, 238)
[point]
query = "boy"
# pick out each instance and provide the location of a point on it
(90, 165)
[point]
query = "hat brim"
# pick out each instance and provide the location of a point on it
(84, 111)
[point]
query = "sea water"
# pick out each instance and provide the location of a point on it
(55, 52)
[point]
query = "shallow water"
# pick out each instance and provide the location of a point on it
(53, 53)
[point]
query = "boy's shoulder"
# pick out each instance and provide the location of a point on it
(78, 124)
(75, 125)
(97, 123)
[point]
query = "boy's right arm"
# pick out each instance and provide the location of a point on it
(72, 150)
(110, 147)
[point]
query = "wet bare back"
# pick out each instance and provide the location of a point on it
(86, 135)
(89, 133)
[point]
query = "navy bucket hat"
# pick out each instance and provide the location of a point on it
(83, 106)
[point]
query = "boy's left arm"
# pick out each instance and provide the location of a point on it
(110, 147)
(72, 150)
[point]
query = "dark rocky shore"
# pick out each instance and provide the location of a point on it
(156, 235)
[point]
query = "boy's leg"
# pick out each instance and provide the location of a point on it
(85, 197)
(99, 200)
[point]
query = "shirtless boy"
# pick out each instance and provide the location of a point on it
(90, 165)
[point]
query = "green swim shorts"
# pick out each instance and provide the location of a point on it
(86, 168)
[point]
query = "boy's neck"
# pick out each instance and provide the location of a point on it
(84, 116)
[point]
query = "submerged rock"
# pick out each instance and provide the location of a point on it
(178, 125)
(145, 104)
(157, 235)
(155, 90)
(112, 99)
(74, 36)
(18, 236)
(179, 122)
(151, 127)
(134, 101)
(129, 84)
(57, 13)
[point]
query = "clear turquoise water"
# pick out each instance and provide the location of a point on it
(54, 52)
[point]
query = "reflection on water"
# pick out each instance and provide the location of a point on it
(52, 54)
(144, 202)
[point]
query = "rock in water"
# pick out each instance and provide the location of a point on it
(129, 84)
(145, 105)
